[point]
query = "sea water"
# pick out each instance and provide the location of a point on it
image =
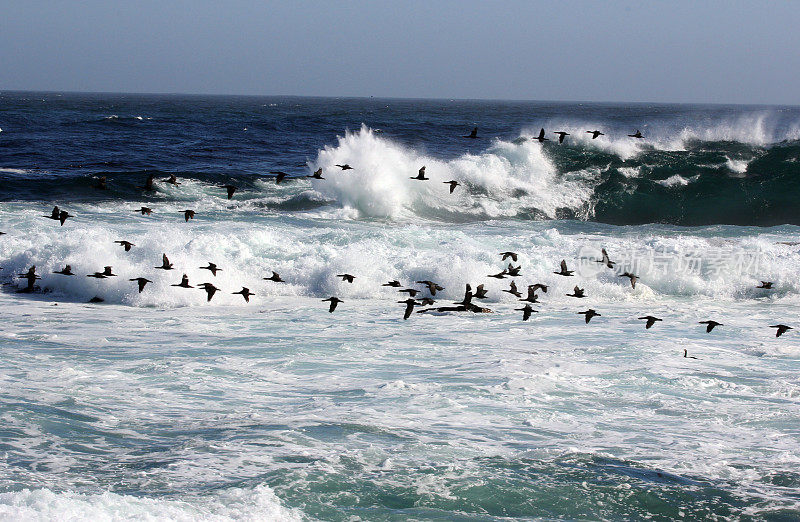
(164, 405)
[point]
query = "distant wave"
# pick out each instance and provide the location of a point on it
(620, 180)
(681, 176)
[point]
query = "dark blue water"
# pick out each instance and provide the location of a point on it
(696, 165)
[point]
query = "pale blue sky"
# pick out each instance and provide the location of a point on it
(619, 50)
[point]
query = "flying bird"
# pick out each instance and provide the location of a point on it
(59, 215)
(274, 277)
(144, 210)
(211, 268)
(577, 292)
(710, 325)
(188, 214)
(636, 134)
(506, 255)
(184, 282)
(561, 135)
(31, 277)
(606, 261)
(588, 314)
(421, 175)
(345, 167)
(410, 303)
(782, 328)
(244, 292)
(564, 271)
(165, 264)
(766, 285)
(317, 174)
(526, 311)
(395, 284)
(650, 321)
(142, 282)
(540, 138)
(346, 277)
(126, 244)
(453, 184)
(595, 133)
(512, 289)
(632, 277)
(210, 290)
(334, 301)
(432, 287)
(67, 271)
(531, 297)
(480, 292)
(686, 354)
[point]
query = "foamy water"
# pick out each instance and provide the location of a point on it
(161, 405)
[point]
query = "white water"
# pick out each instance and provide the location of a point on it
(723, 263)
(259, 503)
(328, 409)
(507, 177)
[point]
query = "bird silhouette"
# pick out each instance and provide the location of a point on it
(165, 264)
(564, 271)
(334, 302)
(421, 175)
(141, 281)
(561, 135)
(650, 321)
(244, 292)
(588, 314)
(526, 311)
(710, 325)
(453, 184)
(782, 328)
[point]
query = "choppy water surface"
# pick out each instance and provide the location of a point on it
(163, 405)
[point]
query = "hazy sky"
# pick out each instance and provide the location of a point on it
(618, 50)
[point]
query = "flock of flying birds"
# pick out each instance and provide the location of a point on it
(467, 304)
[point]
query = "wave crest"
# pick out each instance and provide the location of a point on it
(504, 181)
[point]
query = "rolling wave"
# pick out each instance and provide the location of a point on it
(719, 175)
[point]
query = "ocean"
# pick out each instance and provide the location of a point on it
(163, 405)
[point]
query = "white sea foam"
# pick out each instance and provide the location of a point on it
(760, 128)
(676, 181)
(737, 166)
(499, 182)
(259, 503)
(309, 253)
